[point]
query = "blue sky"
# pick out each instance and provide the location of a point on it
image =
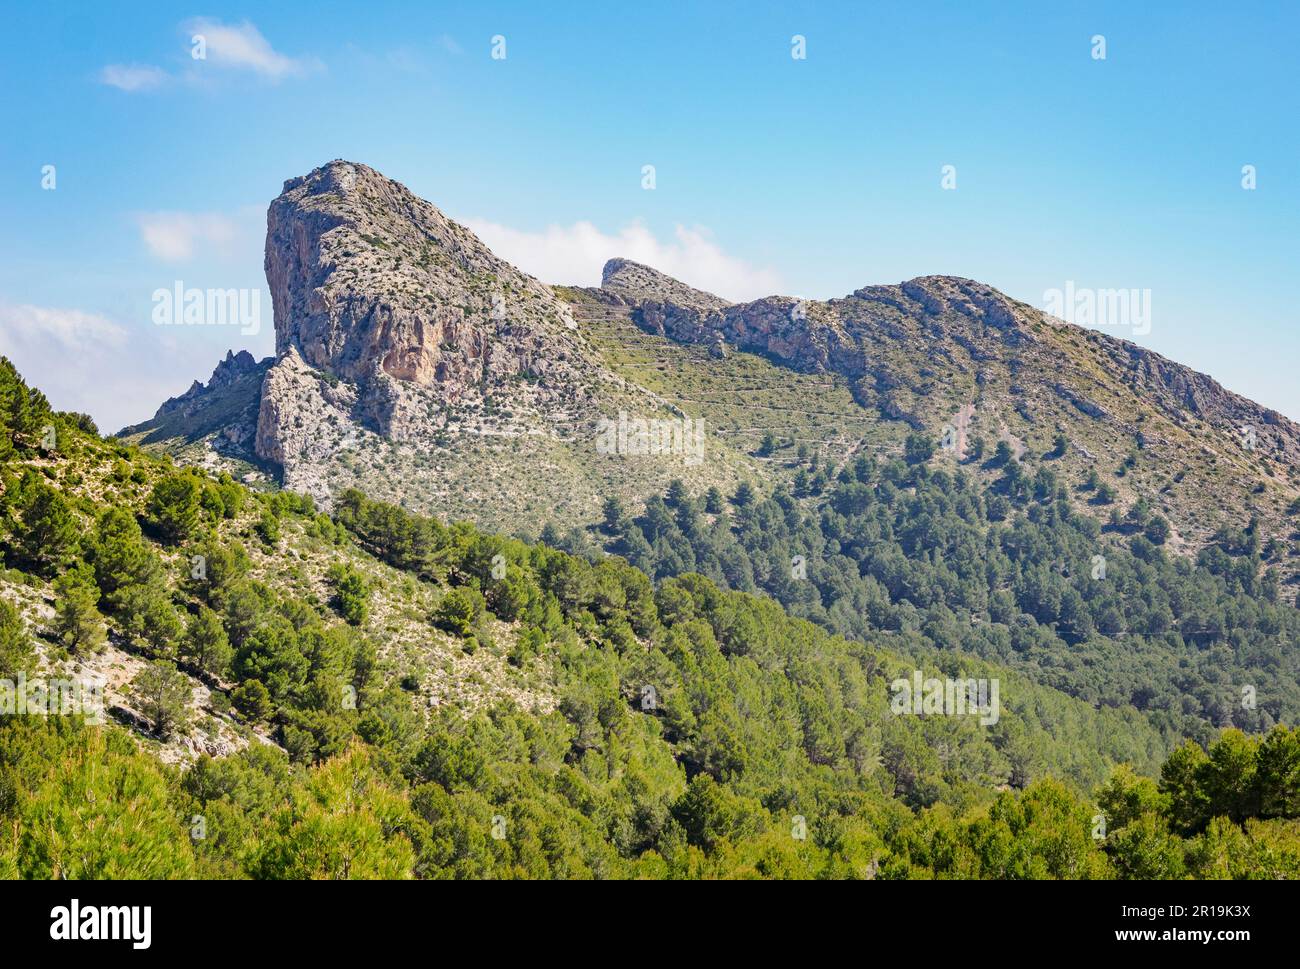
(809, 177)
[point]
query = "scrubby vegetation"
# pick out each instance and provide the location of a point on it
(691, 730)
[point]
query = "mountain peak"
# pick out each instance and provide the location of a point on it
(638, 282)
(338, 175)
(366, 278)
(414, 316)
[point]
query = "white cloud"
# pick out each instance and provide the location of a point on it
(576, 254)
(71, 329)
(175, 236)
(118, 374)
(242, 47)
(132, 77)
(81, 361)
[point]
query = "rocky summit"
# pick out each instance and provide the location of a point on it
(415, 364)
(377, 288)
(396, 330)
(372, 284)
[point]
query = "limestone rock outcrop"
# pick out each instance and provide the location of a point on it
(378, 288)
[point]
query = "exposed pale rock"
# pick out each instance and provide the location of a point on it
(229, 370)
(378, 288)
(368, 279)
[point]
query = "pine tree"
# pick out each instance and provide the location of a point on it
(77, 622)
(1157, 530)
(206, 644)
(15, 642)
(174, 506)
(147, 614)
(268, 527)
(612, 512)
(119, 553)
(713, 501)
(676, 494)
(350, 592)
(50, 532)
(253, 700)
(918, 448)
(96, 807)
(163, 694)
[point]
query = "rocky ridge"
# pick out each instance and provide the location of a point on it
(415, 364)
(227, 372)
(955, 323)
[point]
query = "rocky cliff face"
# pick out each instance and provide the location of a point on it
(372, 284)
(399, 334)
(377, 288)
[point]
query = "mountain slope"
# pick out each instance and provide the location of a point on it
(413, 363)
(401, 698)
(962, 363)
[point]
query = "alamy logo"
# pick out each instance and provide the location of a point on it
(656, 437)
(952, 698)
(132, 923)
(1129, 308)
(56, 696)
(179, 306)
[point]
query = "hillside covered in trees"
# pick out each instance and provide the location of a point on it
(374, 693)
(897, 552)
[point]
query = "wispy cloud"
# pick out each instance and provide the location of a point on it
(178, 236)
(575, 254)
(118, 373)
(132, 77)
(241, 47)
(81, 361)
(213, 49)
(72, 329)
